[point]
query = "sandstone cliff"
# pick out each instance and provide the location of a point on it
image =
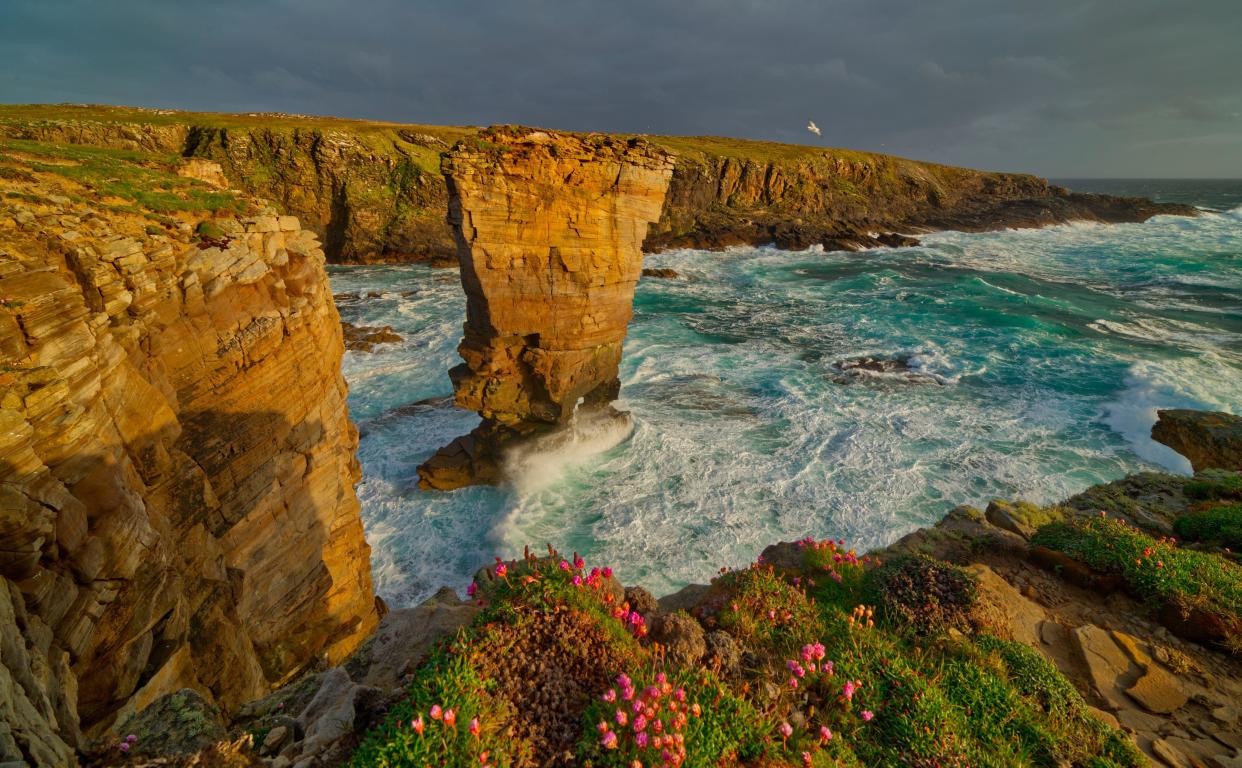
(176, 460)
(372, 191)
(550, 229)
(1210, 439)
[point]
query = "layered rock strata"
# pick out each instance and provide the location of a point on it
(549, 233)
(371, 191)
(1210, 439)
(176, 468)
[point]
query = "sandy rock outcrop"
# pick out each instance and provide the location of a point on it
(1210, 439)
(550, 229)
(176, 469)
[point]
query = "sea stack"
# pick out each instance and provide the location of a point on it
(549, 229)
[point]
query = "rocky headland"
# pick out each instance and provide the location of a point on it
(373, 192)
(550, 229)
(184, 579)
(176, 456)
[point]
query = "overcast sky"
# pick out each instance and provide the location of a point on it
(1056, 87)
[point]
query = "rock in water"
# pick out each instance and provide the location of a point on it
(549, 229)
(1210, 439)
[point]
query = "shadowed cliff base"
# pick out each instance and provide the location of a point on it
(373, 190)
(549, 229)
(141, 571)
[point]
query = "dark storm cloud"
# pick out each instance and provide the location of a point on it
(1060, 87)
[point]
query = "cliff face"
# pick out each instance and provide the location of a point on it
(176, 464)
(1210, 439)
(550, 229)
(372, 191)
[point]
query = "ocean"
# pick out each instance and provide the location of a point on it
(1031, 366)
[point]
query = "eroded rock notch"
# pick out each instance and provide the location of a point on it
(549, 230)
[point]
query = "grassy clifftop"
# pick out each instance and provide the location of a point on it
(373, 190)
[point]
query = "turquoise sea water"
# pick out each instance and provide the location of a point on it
(1036, 360)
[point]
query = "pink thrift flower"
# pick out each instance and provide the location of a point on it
(793, 682)
(501, 570)
(640, 740)
(579, 563)
(867, 715)
(621, 717)
(824, 733)
(131, 738)
(577, 580)
(610, 695)
(564, 565)
(418, 725)
(470, 590)
(607, 571)
(786, 730)
(436, 712)
(450, 717)
(123, 746)
(609, 740)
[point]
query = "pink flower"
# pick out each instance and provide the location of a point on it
(564, 565)
(786, 730)
(825, 734)
(608, 740)
(470, 590)
(640, 740)
(436, 712)
(579, 563)
(848, 689)
(474, 727)
(501, 569)
(577, 580)
(417, 725)
(607, 571)
(793, 682)
(806, 758)
(131, 738)
(450, 717)
(621, 717)
(640, 724)
(610, 695)
(123, 746)
(624, 680)
(867, 715)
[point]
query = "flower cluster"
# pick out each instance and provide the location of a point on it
(832, 558)
(648, 722)
(444, 721)
(813, 659)
(127, 743)
(573, 571)
(862, 617)
(632, 620)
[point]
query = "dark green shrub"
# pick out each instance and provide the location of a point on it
(927, 595)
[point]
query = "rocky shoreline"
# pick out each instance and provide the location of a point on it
(1143, 671)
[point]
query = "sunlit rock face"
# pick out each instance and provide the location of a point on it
(176, 468)
(549, 231)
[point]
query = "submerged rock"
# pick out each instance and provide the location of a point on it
(364, 338)
(661, 272)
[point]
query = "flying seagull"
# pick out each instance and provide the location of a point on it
(813, 128)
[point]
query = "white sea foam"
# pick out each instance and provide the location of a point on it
(742, 435)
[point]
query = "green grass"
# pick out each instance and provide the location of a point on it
(1215, 485)
(1155, 569)
(1219, 526)
(891, 696)
(147, 180)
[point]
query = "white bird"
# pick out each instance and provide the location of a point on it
(813, 128)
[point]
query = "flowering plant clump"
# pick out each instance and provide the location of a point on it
(924, 594)
(1154, 567)
(648, 722)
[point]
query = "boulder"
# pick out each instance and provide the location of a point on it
(1209, 439)
(682, 637)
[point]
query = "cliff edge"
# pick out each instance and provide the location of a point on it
(176, 457)
(373, 192)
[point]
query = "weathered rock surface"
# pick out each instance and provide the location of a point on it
(176, 470)
(1210, 439)
(364, 338)
(550, 229)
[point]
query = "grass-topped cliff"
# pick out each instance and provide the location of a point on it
(374, 191)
